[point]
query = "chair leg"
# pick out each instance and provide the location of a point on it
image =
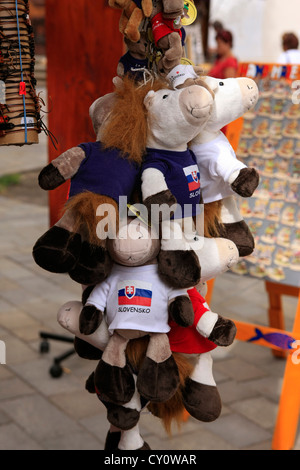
(56, 370)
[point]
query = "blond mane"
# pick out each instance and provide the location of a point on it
(127, 128)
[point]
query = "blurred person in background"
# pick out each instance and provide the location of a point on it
(226, 64)
(291, 54)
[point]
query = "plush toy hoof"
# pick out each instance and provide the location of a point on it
(57, 250)
(223, 333)
(158, 382)
(203, 402)
(112, 440)
(145, 446)
(121, 417)
(90, 383)
(90, 319)
(240, 234)
(87, 350)
(114, 384)
(93, 265)
(180, 269)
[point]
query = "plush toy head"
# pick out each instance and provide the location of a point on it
(134, 62)
(137, 49)
(134, 245)
(172, 8)
(233, 97)
(128, 118)
(176, 116)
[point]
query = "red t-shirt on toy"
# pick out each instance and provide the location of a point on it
(187, 339)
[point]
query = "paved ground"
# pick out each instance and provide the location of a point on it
(39, 412)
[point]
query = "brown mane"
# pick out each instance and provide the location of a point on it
(172, 410)
(127, 125)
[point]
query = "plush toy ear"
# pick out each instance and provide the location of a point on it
(100, 109)
(148, 98)
(211, 82)
(118, 82)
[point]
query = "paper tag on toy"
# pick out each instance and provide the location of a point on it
(180, 74)
(134, 211)
(189, 13)
(177, 22)
(186, 61)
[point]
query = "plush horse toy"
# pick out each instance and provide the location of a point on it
(221, 174)
(169, 170)
(198, 391)
(137, 303)
(99, 175)
(170, 176)
(98, 178)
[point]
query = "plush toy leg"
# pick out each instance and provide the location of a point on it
(200, 394)
(147, 7)
(235, 228)
(120, 417)
(172, 52)
(158, 377)
(93, 265)
(113, 377)
(175, 252)
(59, 248)
(68, 318)
(130, 20)
(126, 416)
(112, 438)
(217, 329)
(216, 255)
(90, 217)
(132, 440)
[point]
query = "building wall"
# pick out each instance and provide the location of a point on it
(257, 25)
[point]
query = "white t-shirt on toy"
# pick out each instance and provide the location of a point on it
(135, 298)
(216, 161)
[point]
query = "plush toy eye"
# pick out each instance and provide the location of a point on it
(165, 96)
(221, 83)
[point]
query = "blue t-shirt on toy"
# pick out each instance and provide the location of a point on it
(182, 177)
(131, 64)
(105, 171)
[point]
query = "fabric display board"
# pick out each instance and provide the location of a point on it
(269, 141)
(19, 105)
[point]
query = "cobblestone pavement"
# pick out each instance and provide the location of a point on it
(40, 412)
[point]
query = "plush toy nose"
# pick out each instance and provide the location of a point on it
(197, 100)
(249, 91)
(129, 252)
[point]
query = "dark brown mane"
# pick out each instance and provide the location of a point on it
(127, 125)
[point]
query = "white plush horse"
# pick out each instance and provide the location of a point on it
(170, 176)
(221, 174)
